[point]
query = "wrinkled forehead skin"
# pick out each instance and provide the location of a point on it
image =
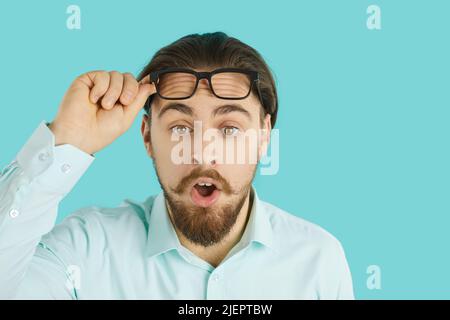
(229, 84)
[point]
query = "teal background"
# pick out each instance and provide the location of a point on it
(364, 115)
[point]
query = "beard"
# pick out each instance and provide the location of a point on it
(205, 226)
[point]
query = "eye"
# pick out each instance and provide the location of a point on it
(181, 130)
(230, 131)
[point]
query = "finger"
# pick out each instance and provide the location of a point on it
(132, 110)
(129, 90)
(145, 79)
(100, 80)
(114, 90)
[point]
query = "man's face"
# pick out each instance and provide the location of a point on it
(205, 151)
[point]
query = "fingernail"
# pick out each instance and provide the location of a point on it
(109, 103)
(127, 97)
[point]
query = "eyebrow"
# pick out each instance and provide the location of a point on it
(227, 108)
(223, 109)
(180, 107)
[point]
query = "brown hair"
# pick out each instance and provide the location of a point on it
(217, 49)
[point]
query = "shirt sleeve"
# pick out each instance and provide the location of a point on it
(345, 284)
(31, 187)
(335, 281)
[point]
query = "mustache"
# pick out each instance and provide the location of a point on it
(199, 172)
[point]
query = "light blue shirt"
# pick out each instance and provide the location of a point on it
(133, 252)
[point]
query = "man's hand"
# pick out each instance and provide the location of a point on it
(98, 107)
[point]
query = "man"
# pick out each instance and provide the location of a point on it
(207, 235)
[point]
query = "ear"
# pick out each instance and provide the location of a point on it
(264, 139)
(145, 132)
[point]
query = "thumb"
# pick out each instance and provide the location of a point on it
(145, 90)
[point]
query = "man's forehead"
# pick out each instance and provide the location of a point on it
(229, 83)
(203, 99)
(195, 106)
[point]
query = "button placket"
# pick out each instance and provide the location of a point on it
(214, 290)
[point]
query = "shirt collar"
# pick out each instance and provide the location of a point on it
(162, 236)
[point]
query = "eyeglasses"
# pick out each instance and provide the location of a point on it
(225, 83)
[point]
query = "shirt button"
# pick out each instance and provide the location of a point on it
(65, 168)
(43, 156)
(13, 213)
(215, 277)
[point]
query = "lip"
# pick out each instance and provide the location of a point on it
(201, 201)
(207, 180)
(204, 202)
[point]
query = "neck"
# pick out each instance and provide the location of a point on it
(216, 253)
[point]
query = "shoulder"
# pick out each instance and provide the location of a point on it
(101, 225)
(290, 229)
(310, 247)
(127, 212)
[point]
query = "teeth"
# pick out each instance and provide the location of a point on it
(202, 184)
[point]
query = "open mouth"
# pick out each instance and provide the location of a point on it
(204, 193)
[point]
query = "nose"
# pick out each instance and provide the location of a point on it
(207, 158)
(206, 149)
